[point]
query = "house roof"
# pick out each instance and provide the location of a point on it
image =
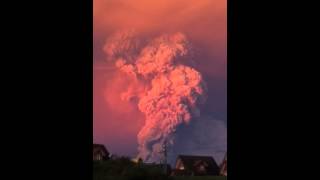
(190, 163)
(98, 148)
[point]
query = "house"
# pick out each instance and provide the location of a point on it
(100, 152)
(223, 167)
(195, 166)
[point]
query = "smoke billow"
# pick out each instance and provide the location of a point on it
(167, 89)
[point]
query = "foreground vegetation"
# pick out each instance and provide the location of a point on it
(200, 178)
(123, 168)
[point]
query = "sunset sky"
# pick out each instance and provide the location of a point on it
(116, 122)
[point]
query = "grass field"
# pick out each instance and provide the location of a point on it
(200, 178)
(170, 178)
(124, 169)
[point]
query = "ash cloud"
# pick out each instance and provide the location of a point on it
(167, 91)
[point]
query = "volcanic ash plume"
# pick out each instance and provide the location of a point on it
(168, 91)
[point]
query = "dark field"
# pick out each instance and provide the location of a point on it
(124, 169)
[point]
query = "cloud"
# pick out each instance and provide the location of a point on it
(203, 21)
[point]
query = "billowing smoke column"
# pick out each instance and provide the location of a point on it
(167, 88)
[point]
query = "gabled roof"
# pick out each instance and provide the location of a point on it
(190, 163)
(98, 148)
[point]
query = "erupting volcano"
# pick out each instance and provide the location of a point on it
(169, 92)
